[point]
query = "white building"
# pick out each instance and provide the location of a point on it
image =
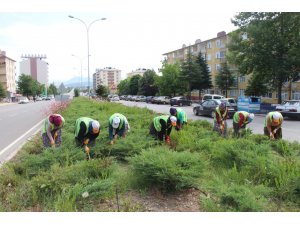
(34, 66)
(139, 71)
(108, 76)
(8, 74)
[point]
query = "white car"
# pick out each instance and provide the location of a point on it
(23, 100)
(290, 108)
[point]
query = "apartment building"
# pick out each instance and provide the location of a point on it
(36, 67)
(8, 75)
(139, 71)
(107, 76)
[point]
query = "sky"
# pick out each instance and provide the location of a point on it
(134, 35)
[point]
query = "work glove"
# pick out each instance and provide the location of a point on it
(168, 139)
(52, 143)
(111, 142)
(274, 131)
(177, 128)
(87, 151)
(272, 136)
(86, 141)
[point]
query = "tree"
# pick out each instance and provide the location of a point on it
(102, 91)
(52, 89)
(2, 92)
(256, 86)
(169, 83)
(190, 73)
(267, 44)
(134, 84)
(147, 84)
(26, 85)
(123, 87)
(76, 92)
(224, 79)
(204, 80)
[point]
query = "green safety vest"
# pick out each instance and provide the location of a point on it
(181, 115)
(86, 121)
(46, 122)
(156, 122)
(236, 116)
(219, 112)
(122, 119)
(269, 117)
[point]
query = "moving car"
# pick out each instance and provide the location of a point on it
(180, 100)
(290, 109)
(23, 100)
(208, 108)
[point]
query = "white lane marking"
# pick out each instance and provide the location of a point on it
(9, 146)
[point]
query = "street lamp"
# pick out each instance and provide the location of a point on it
(88, 44)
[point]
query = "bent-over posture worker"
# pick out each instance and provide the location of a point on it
(161, 127)
(118, 126)
(180, 114)
(240, 120)
(220, 119)
(51, 131)
(86, 132)
(273, 122)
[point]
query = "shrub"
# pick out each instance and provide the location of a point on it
(167, 170)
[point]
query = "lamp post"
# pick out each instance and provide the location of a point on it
(87, 26)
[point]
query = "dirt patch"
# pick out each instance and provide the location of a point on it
(155, 201)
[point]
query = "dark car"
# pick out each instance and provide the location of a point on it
(148, 99)
(180, 100)
(208, 108)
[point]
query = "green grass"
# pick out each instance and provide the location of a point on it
(251, 173)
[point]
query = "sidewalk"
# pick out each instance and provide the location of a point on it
(7, 103)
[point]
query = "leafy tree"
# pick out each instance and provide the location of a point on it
(204, 77)
(224, 79)
(26, 85)
(52, 89)
(123, 87)
(102, 91)
(147, 84)
(190, 73)
(267, 44)
(2, 92)
(256, 86)
(169, 83)
(76, 92)
(134, 84)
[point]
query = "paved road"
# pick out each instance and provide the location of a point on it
(290, 128)
(18, 123)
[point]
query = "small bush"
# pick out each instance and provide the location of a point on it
(167, 170)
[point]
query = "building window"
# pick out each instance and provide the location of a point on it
(218, 43)
(242, 79)
(244, 36)
(232, 93)
(242, 92)
(268, 95)
(208, 44)
(209, 68)
(208, 57)
(218, 55)
(218, 67)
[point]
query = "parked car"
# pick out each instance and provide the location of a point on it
(211, 96)
(208, 108)
(163, 100)
(232, 102)
(290, 109)
(149, 99)
(180, 100)
(23, 100)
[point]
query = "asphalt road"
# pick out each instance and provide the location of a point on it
(19, 122)
(290, 128)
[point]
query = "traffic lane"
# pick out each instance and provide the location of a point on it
(17, 119)
(290, 129)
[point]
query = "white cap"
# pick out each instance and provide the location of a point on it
(251, 116)
(173, 119)
(116, 122)
(96, 126)
(276, 116)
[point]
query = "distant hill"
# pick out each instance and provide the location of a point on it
(75, 82)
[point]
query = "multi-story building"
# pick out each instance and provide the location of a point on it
(214, 51)
(8, 75)
(36, 67)
(139, 71)
(109, 77)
